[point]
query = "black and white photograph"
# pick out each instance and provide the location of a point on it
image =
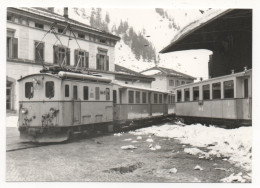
(129, 93)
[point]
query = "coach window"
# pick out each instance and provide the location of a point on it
(75, 92)
(49, 89)
(206, 92)
(85, 92)
(196, 93)
(155, 98)
(216, 90)
(107, 94)
(229, 89)
(67, 90)
(179, 96)
(187, 94)
(144, 96)
(28, 90)
(97, 94)
(160, 98)
(130, 97)
(137, 97)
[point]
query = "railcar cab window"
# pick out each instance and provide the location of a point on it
(155, 98)
(144, 97)
(29, 90)
(49, 89)
(196, 93)
(229, 89)
(206, 92)
(85, 92)
(160, 98)
(179, 93)
(81, 58)
(67, 90)
(107, 94)
(130, 97)
(97, 94)
(75, 92)
(137, 97)
(187, 94)
(216, 90)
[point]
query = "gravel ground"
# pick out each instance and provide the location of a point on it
(101, 159)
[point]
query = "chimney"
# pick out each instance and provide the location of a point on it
(66, 13)
(51, 9)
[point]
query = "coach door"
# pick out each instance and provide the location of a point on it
(76, 106)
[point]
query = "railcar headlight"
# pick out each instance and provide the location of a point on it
(24, 111)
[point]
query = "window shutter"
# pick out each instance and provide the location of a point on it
(107, 63)
(15, 47)
(86, 60)
(68, 56)
(35, 51)
(98, 62)
(76, 57)
(42, 52)
(55, 54)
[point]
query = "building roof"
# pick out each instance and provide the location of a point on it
(61, 19)
(123, 71)
(190, 36)
(166, 71)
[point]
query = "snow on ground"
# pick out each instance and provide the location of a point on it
(234, 144)
(11, 121)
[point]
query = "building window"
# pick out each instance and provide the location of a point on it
(9, 18)
(75, 92)
(206, 92)
(39, 25)
(12, 47)
(102, 41)
(182, 82)
(137, 97)
(29, 90)
(155, 98)
(187, 94)
(196, 93)
(102, 62)
(177, 83)
(130, 97)
(229, 89)
(160, 98)
(216, 90)
(60, 30)
(171, 82)
(49, 89)
(81, 59)
(144, 97)
(61, 55)
(107, 94)
(67, 90)
(82, 36)
(85, 92)
(39, 51)
(173, 99)
(179, 95)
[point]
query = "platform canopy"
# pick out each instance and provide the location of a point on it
(203, 33)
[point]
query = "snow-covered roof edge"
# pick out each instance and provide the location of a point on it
(195, 25)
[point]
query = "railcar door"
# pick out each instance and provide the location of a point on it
(76, 106)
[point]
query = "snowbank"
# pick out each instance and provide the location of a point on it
(11, 121)
(235, 144)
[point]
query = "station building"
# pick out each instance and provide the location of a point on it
(38, 37)
(167, 79)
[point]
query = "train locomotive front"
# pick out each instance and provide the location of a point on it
(51, 106)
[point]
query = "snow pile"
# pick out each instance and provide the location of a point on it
(11, 121)
(234, 144)
(234, 178)
(128, 147)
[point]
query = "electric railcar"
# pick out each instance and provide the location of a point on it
(225, 100)
(52, 107)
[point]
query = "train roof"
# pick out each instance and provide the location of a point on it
(140, 88)
(71, 75)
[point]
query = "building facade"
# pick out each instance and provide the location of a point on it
(38, 37)
(167, 79)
